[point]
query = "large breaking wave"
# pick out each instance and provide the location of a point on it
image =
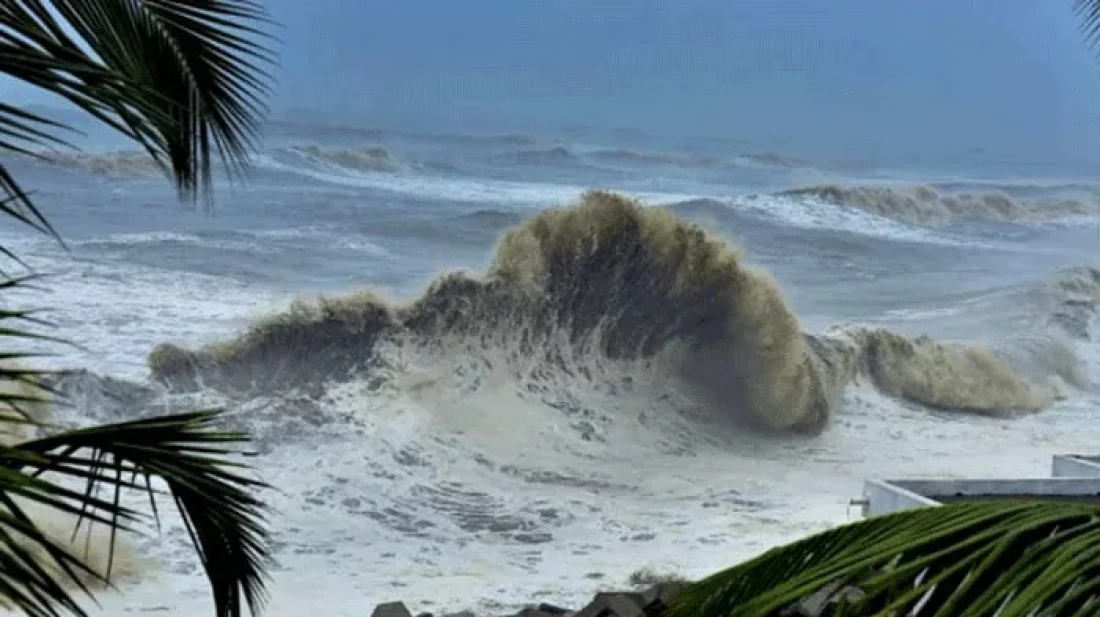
(608, 280)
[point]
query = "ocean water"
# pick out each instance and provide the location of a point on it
(548, 439)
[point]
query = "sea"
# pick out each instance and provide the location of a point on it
(473, 384)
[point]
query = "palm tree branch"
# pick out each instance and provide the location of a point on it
(25, 573)
(27, 129)
(181, 78)
(217, 505)
(963, 559)
(1088, 11)
(60, 497)
(194, 63)
(17, 204)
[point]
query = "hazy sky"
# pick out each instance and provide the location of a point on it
(925, 75)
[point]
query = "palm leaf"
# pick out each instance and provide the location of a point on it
(1012, 559)
(1088, 11)
(183, 78)
(217, 501)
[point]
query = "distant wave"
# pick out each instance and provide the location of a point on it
(509, 139)
(439, 166)
(642, 157)
(376, 158)
(775, 160)
(1017, 188)
(241, 242)
(556, 155)
(488, 219)
(625, 156)
(701, 206)
(117, 163)
(371, 158)
(924, 205)
(333, 129)
(132, 163)
(608, 280)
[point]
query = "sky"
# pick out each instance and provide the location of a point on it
(858, 76)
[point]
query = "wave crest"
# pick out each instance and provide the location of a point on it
(373, 158)
(642, 157)
(773, 159)
(555, 155)
(953, 376)
(119, 163)
(924, 205)
(1077, 300)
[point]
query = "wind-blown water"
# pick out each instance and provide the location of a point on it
(515, 390)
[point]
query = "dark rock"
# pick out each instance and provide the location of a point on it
(658, 598)
(391, 609)
(542, 610)
(614, 605)
(425, 615)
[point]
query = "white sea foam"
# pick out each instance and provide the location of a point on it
(462, 189)
(111, 308)
(691, 515)
(807, 214)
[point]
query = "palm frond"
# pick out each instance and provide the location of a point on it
(27, 584)
(185, 79)
(182, 78)
(26, 395)
(17, 204)
(1088, 11)
(969, 559)
(217, 502)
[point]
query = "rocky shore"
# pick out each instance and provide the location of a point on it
(652, 602)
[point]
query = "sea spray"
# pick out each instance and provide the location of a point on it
(642, 282)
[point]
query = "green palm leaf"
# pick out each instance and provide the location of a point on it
(219, 504)
(962, 560)
(182, 78)
(1088, 11)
